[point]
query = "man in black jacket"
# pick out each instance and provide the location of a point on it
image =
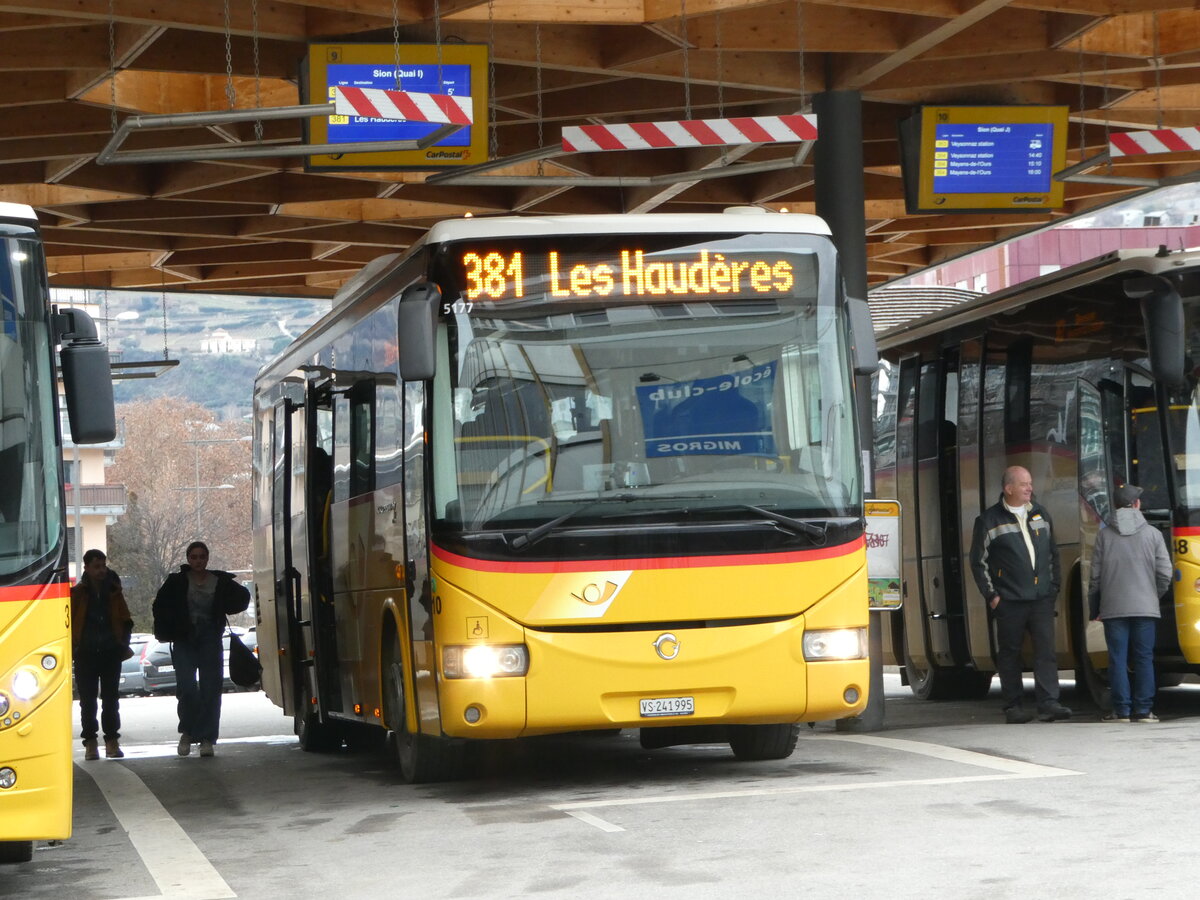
(1015, 563)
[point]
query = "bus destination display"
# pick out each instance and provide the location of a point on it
(628, 274)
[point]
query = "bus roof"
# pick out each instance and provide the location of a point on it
(1141, 262)
(17, 211)
(745, 218)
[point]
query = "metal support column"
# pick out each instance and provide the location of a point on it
(838, 163)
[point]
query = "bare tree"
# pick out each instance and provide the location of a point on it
(188, 478)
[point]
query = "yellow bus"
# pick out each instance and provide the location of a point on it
(540, 475)
(35, 638)
(1087, 377)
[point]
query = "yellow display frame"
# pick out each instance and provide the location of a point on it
(929, 200)
(315, 81)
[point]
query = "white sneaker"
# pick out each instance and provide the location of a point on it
(185, 744)
(207, 749)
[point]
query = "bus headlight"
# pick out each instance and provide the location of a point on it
(484, 661)
(7, 778)
(24, 684)
(3, 704)
(835, 643)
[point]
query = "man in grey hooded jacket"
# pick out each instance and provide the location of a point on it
(1131, 569)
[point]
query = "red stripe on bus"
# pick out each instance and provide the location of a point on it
(25, 592)
(669, 562)
(1187, 531)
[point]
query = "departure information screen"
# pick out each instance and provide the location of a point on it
(629, 271)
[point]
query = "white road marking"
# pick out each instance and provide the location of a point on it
(1007, 769)
(1014, 767)
(593, 820)
(176, 864)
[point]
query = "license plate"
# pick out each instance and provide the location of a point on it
(668, 706)
(166, 668)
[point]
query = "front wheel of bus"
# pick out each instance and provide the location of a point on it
(315, 736)
(16, 851)
(421, 758)
(751, 742)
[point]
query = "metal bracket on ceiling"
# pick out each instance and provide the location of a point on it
(112, 154)
(1078, 173)
(473, 175)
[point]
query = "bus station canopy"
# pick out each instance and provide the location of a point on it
(266, 224)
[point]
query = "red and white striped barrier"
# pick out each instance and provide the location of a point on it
(378, 103)
(1161, 140)
(689, 133)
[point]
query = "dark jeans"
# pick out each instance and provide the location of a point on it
(199, 673)
(1013, 619)
(98, 674)
(1131, 646)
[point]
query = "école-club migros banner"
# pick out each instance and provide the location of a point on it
(722, 415)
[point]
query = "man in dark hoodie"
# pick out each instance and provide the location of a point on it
(1131, 569)
(100, 631)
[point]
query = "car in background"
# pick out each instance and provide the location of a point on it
(132, 683)
(158, 668)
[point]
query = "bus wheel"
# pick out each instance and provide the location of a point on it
(316, 737)
(940, 683)
(421, 758)
(763, 741)
(16, 851)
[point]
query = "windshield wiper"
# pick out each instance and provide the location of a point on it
(799, 526)
(536, 534)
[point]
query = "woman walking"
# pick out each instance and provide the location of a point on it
(189, 611)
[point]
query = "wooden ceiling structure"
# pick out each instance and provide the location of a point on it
(76, 68)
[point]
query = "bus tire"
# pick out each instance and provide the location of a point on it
(753, 742)
(16, 851)
(421, 758)
(315, 736)
(946, 683)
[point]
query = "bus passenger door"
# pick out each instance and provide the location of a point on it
(1095, 504)
(287, 585)
(316, 537)
(936, 509)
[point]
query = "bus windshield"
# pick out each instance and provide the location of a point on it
(30, 514)
(698, 375)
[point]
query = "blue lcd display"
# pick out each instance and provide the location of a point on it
(417, 78)
(992, 158)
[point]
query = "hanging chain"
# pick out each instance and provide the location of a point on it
(1157, 74)
(162, 276)
(537, 43)
(720, 71)
(396, 43)
(112, 66)
(258, 125)
(493, 137)
(804, 102)
(1104, 106)
(437, 40)
(687, 75)
(107, 320)
(1082, 102)
(230, 94)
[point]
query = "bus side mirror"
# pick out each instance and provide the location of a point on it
(416, 327)
(1162, 313)
(87, 379)
(863, 350)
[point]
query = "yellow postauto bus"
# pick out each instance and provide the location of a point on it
(35, 637)
(538, 475)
